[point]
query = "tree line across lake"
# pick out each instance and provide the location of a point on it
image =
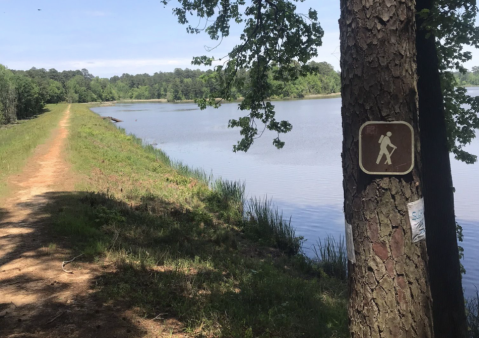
(24, 93)
(469, 78)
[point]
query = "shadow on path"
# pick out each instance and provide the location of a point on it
(147, 271)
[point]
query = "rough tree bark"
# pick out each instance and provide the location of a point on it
(444, 267)
(389, 288)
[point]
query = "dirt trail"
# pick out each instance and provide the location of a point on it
(30, 274)
(44, 170)
(38, 298)
(19, 212)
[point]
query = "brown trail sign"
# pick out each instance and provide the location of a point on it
(386, 148)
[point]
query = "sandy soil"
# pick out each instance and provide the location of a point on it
(37, 298)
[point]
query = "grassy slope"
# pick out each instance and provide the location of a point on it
(181, 249)
(18, 141)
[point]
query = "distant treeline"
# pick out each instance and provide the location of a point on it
(469, 78)
(24, 93)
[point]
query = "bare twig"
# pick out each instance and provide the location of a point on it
(117, 233)
(54, 318)
(66, 262)
(159, 316)
(209, 49)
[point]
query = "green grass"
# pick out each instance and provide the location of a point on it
(18, 141)
(177, 243)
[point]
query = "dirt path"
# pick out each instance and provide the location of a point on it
(44, 172)
(38, 298)
(29, 270)
(19, 212)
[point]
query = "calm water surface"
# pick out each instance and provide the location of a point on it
(304, 179)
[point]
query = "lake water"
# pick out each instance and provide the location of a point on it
(304, 179)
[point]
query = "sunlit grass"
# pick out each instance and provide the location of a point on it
(188, 246)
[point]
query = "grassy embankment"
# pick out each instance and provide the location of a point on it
(18, 141)
(181, 247)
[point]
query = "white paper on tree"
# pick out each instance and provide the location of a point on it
(350, 243)
(416, 217)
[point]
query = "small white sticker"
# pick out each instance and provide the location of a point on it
(416, 217)
(350, 243)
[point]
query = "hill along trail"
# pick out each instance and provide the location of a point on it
(38, 298)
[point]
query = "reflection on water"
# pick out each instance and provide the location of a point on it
(304, 179)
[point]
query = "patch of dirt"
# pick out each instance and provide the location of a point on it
(37, 298)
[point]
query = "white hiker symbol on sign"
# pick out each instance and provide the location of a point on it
(394, 155)
(385, 141)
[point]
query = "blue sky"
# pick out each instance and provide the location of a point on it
(113, 37)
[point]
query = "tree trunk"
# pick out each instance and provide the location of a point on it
(389, 288)
(444, 266)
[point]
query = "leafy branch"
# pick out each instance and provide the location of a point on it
(275, 40)
(452, 22)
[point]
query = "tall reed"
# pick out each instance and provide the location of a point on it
(267, 221)
(331, 256)
(231, 191)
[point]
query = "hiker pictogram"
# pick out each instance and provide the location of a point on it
(385, 142)
(386, 148)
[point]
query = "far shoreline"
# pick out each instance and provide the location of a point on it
(307, 97)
